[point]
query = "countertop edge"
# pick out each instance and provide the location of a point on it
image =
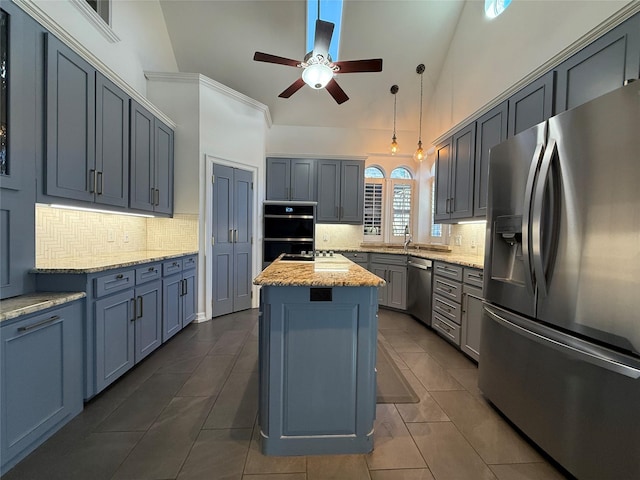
(433, 255)
(22, 305)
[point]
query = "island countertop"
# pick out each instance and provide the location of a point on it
(336, 271)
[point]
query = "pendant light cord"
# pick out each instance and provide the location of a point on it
(394, 113)
(420, 123)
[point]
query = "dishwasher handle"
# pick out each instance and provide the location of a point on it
(419, 265)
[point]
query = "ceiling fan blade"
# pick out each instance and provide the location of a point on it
(324, 32)
(355, 66)
(336, 92)
(266, 57)
(293, 88)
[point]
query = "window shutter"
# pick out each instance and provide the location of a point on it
(372, 208)
(402, 193)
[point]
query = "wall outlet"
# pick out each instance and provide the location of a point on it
(458, 240)
(325, 237)
(126, 237)
(474, 244)
(111, 236)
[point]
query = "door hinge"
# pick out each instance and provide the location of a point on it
(251, 239)
(251, 185)
(213, 240)
(213, 179)
(252, 294)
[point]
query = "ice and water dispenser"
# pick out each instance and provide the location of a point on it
(507, 259)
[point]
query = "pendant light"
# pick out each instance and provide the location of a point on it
(419, 155)
(394, 144)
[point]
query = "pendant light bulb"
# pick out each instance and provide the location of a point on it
(394, 147)
(419, 154)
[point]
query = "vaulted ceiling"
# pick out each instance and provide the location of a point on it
(218, 38)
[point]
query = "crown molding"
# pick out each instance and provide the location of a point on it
(36, 12)
(616, 19)
(207, 82)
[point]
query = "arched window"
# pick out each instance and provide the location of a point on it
(387, 202)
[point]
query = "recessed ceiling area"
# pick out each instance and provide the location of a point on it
(219, 38)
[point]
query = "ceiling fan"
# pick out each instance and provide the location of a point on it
(318, 68)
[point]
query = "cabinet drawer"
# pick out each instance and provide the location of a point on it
(446, 308)
(190, 262)
(447, 329)
(473, 277)
(448, 289)
(148, 273)
(114, 282)
(172, 266)
(388, 259)
(356, 257)
(447, 270)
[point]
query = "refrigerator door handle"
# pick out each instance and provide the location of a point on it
(574, 347)
(526, 214)
(536, 220)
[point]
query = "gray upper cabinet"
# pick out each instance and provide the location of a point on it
(151, 162)
(340, 191)
(454, 176)
(70, 123)
(491, 129)
(531, 105)
(602, 66)
(111, 172)
(291, 179)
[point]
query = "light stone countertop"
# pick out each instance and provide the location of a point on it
(107, 262)
(336, 271)
(35, 302)
(473, 261)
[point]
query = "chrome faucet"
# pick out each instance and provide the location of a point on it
(407, 238)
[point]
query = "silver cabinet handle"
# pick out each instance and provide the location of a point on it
(152, 196)
(39, 324)
(230, 236)
(157, 197)
(92, 181)
(99, 183)
(140, 314)
(135, 309)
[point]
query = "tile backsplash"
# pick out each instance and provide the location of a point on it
(471, 238)
(62, 233)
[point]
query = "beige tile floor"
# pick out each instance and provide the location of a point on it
(189, 412)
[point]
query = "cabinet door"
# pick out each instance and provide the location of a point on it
(115, 334)
(303, 180)
(41, 378)
(491, 129)
(172, 306)
(328, 207)
(189, 297)
(163, 171)
(531, 105)
(278, 178)
(461, 186)
(70, 132)
(148, 323)
(351, 192)
(142, 157)
(380, 271)
(471, 321)
(443, 167)
(112, 144)
(397, 287)
(600, 67)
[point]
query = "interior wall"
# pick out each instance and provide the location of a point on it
(144, 43)
(488, 56)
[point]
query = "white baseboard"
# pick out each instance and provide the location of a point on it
(201, 317)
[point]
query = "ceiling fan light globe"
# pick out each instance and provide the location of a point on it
(317, 75)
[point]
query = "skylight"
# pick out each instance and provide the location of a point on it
(493, 8)
(330, 11)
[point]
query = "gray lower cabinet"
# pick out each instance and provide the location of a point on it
(472, 300)
(151, 162)
(340, 191)
(361, 258)
(599, 68)
(291, 179)
(393, 269)
(446, 301)
(127, 313)
(179, 295)
(41, 378)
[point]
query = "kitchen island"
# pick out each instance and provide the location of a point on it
(317, 357)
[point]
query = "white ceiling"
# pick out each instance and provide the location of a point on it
(218, 39)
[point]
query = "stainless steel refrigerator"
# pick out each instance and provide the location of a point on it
(560, 344)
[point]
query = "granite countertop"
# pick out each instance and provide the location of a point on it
(336, 271)
(473, 261)
(35, 302)
(106, 262)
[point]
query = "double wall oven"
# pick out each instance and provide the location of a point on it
(289, 227)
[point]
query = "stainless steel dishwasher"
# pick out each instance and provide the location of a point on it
(419, 289)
